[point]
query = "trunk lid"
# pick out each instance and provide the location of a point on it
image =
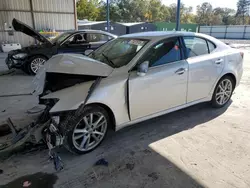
(22, 27)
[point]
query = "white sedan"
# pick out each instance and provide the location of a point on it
(134, 78)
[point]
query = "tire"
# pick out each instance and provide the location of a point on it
(221, 96)
(75, 122)
(35, 60)
(25, 69)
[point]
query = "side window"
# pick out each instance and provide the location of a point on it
(77, 39)
(96, 37)
(195, 46)
(211, 46)
(164, 52)
(69, 41)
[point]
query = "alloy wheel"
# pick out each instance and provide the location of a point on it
(36, 64)
(89, 131)
(224, 91)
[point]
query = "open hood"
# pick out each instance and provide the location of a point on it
(66, 70)
(77, 64)
(22, 27)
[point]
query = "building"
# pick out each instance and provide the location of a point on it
(137, 27)
(42, 15)
(115, 28)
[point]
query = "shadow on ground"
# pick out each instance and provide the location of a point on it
(38, 180)
(132, 162)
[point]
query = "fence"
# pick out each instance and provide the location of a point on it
(227, 31)
(165, 26)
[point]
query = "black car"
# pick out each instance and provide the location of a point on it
(31, 58)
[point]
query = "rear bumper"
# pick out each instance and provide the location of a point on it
(239, 75)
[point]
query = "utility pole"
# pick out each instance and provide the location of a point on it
(178, 15)
(107, 12)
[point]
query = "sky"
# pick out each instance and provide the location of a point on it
(214, 3)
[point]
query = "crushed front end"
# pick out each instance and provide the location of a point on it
(16, 59)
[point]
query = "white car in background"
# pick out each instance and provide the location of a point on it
(134, 78)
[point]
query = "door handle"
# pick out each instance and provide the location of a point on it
(219, 61)
(180, 71)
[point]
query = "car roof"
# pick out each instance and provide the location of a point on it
(158, 34)
(91, 31)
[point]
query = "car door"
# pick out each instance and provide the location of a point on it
(77, 43)
(205, 66)
(165, 84)
(95, 40)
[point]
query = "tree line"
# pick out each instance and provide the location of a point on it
(155, 10)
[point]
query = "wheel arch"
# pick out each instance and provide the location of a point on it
(109, 111)
(34, 55)
(230, 75)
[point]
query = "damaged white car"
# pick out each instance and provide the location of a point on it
(131, 79)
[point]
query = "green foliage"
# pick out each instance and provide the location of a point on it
(155, 10)
(242, 11)
(88, 9)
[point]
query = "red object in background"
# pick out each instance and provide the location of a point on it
(26, 184)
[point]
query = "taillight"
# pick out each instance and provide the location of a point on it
(242, 54)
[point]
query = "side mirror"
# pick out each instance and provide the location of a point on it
(87, 52)
(143, 68)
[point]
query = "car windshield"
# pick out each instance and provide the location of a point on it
(60, 38)
(118, 52)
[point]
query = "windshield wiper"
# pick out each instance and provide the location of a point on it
(110, 61)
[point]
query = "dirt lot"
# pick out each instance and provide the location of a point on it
(195, 147)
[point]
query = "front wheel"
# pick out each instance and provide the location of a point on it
(35, 63)
(85, 132)
(223, 92)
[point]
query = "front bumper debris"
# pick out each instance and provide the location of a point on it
(14, 63)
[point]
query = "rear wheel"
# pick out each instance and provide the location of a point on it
(85, 132)
(223, 92)
(35, 63)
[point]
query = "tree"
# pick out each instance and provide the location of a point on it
(164, 13)
(172, 12)
(215, 19)
(243, 9)
(204, 13)
(88, 9)
(154, 10)
(114, 11)
(132, 10)
(186, 14)
(227, 15)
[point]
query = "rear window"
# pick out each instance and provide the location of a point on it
(211, 46)
(196, 46)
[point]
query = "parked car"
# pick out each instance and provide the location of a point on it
(134, 78)
(31, 58)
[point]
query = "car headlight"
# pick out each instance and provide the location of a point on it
(20, 56)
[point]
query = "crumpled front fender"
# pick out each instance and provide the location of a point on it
(69, 98)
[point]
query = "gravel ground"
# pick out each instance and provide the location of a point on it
(194, 147)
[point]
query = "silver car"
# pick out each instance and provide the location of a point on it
(134, 78)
